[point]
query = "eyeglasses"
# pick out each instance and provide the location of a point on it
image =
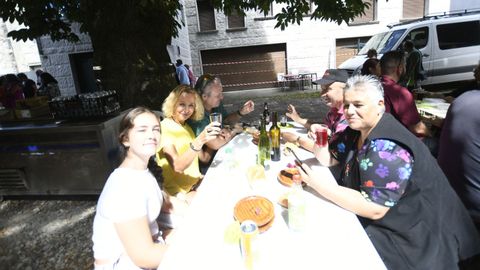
(203, 81)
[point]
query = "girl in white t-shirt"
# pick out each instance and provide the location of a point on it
(125, 231)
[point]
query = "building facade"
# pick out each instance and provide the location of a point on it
(247, 52)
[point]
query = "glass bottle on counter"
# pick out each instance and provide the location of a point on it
(266, 113)
(263, 146)
(275, 137)
(296, 205)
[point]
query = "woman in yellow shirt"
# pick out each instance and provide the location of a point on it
(180, 150)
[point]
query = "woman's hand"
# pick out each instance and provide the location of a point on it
(210, 132)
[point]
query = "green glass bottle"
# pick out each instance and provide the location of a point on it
(275, 137)
(263, 146)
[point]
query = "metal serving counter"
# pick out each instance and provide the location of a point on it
(52, 157)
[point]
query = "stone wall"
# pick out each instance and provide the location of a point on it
(56, 61)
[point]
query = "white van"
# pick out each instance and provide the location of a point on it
(450, 45)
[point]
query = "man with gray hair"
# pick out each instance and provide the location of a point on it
(210, 90)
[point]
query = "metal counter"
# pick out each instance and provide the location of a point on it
(57, 157)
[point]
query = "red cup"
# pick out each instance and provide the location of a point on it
(322, 137)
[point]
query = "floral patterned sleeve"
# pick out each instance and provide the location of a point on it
(338, 146)
(385, 168)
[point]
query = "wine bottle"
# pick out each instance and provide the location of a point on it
(266, 113)
(263, 146)
(275, 137)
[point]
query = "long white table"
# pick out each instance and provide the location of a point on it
(332, 239)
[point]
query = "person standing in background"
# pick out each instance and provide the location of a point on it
(371, 66)
(398, 100)
(49, 86)
(182, 73)
(12, 91)
(38, 72)
(28, 86)
(191, 76)
(372, 54)
(414, 67)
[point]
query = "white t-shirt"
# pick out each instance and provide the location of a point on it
(128, 194)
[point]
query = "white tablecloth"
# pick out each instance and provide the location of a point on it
(333, 238)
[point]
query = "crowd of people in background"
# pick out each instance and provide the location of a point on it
(18, 87)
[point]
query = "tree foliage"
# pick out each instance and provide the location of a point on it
(129, 37)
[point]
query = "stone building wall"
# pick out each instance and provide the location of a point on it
(310, 46)
(56, 61)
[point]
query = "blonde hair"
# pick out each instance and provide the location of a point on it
(171, 101)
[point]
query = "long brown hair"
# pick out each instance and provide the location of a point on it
(126, 124)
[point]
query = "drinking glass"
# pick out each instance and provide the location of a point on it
(283, 120)
(216, 117)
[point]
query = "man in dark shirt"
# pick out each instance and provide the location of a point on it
(459, 153)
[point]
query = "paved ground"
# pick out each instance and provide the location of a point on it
(55, 233)
(307, 103)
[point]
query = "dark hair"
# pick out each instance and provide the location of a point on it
(372, 53)
(369, 63)
(408, 45)
(202, 83)
(22, 76)
(47, 78)
(390, 61)
(179, 62)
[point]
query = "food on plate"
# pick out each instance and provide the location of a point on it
(256, 208)
(285, 176)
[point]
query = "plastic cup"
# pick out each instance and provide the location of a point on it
(322, 137)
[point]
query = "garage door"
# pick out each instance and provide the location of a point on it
(243, 68)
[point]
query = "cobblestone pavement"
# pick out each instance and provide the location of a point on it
(55, 233)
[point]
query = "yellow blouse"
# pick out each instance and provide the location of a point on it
(180, 137)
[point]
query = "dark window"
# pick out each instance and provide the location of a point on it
(206, 15)
(236, 20)
(419, 37)
(413, 8)
(458, 35)
(369, 13)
